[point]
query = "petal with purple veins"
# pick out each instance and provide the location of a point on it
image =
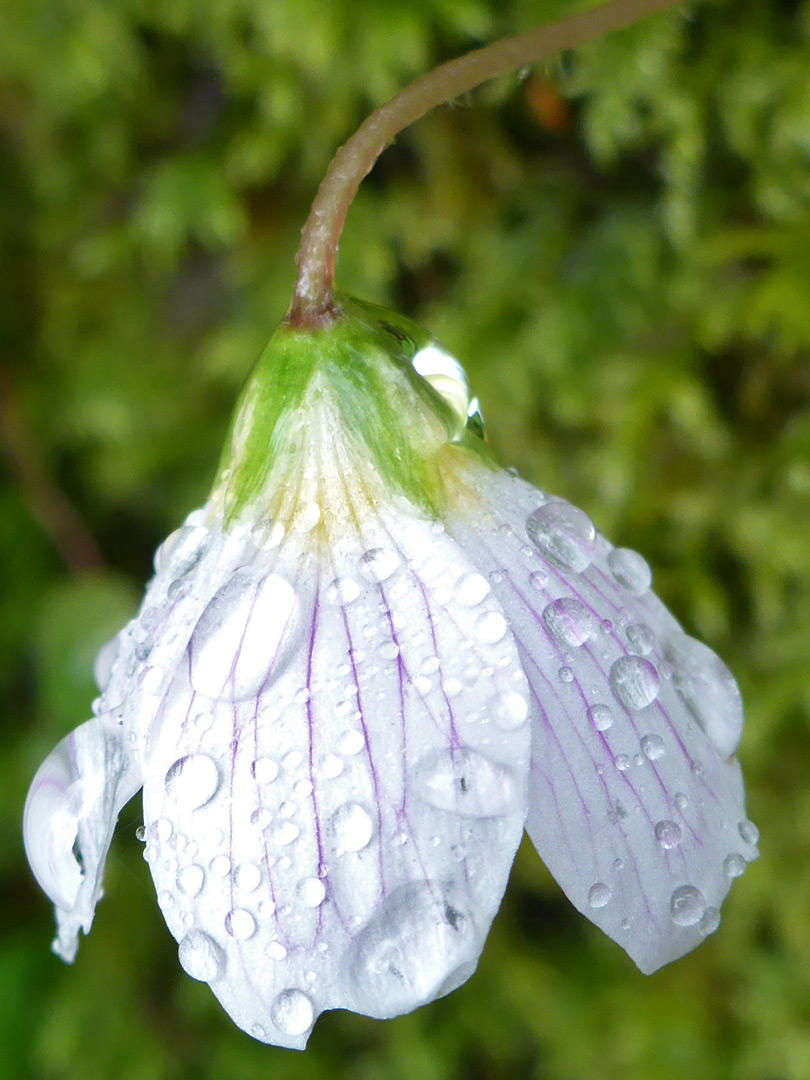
(634, 802)
(342, 837)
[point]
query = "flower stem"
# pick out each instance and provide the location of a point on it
(312, 300)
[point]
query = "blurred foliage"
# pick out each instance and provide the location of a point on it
(617, 245)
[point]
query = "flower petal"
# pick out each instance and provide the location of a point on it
(636, 805)
(73, 805)
(332, 826)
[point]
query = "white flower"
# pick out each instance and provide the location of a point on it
(360, 671)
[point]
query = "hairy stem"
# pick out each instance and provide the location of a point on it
(312, 299)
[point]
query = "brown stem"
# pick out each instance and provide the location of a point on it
(312, 299)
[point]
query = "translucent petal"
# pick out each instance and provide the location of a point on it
(342, 837)
(70, 814)
(634, 802)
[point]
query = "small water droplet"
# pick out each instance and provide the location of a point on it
(622, 762)
(378, 564)
(681, 801)
(634, 681)
(652, 746)
(292, 1012)
(285, 833)
(566, 675)
(192, 781)
(311, 892)
(564, 534)
(352, 743)
(569, 621)
(240, 924)
(190, 880)
(630, 570)
(687, 906)
(471, 590)
(710, 921)
(600, 716)
(668, 834)
(749, 832)
(734, 865)
(276, 951)
(641, 638)
(293, 759)
(264, 770)
(342, 591)
(140, 833)
(201, 957)
(247, 877)
(331, 766)
(388, 650)
(307, 517)
(490, 627)
(600, 895)
(352, 826)
(538, 579)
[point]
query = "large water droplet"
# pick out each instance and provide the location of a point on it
(240, 924)
(600, 895)
(630, 570)
(466, 783)
(708, 689)
(635, 681)
(190, 880)
(569, 621)
(292, 1012)
(564, 534)
(490, 627)
(471, 590)
(192, 781)
(201, 957)
(668, 834)
(512, 711)
(378, 564)
(421, 943)
(247, 877)
(687, 906)
(352, 826)
(312, 892)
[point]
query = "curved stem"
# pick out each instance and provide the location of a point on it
(312, 299)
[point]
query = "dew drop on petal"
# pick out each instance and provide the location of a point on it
(292, 1012)
(634, 681)
(311, 892)
(687, 905)
(708, 689)
(330, 767)
(352, 743)
(471, 590)
(569, 621)
(378, 564)
(192, 781)
(749, 832)
(285, 833)
(641, 638)
(464, 782)
(668, 834)
(352, 826)
(564, 534)
(342, 591)
(600, 716)
(512, 711)
(247, 877)
(240, 924)
(734, 865)
(652, 746)
(538, 579)
(630, 570)
(490, 627)
(599, 895)
(201, 957)
(566, 675)
(710, 920)
(190, 880)
(264, 770)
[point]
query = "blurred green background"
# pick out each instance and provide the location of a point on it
(616, 245)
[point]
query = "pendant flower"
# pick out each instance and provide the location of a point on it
(360, 671)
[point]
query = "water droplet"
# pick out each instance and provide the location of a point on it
(352, 743)
(276, 951)
(202, 722)
(687, 906)
(464, 782)
(681, 801)
(512, 711)
(708, 690)
(652, 746)
(388, 650)
(490, 627)
(293, 759)
(622, 762)
(634, 681)
(471, 590)
(285, 833)
(600, 895)
(181, 550)
(257, 1031)
(308, 517)
(331, 766)
(311, 892)
(247, 877)
(668, 834)
(569, 621)
(220, 866)
(201, 957)
(342, 591)
(641, 638)
(264, 770)
(734, 865)
(538, 579)
(240, 924)
(190, 880)
(710, 921)
(563, 534)
(566, 675)
(192, 781)
(600, 716)
(140, 833)
(292, 1012)
(151, 679)
(630, 570)
(749, 832)
(378, 564)
(352, 826)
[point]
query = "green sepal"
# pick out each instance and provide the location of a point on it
(392, 419)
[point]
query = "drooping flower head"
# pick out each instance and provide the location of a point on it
(360, 671)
